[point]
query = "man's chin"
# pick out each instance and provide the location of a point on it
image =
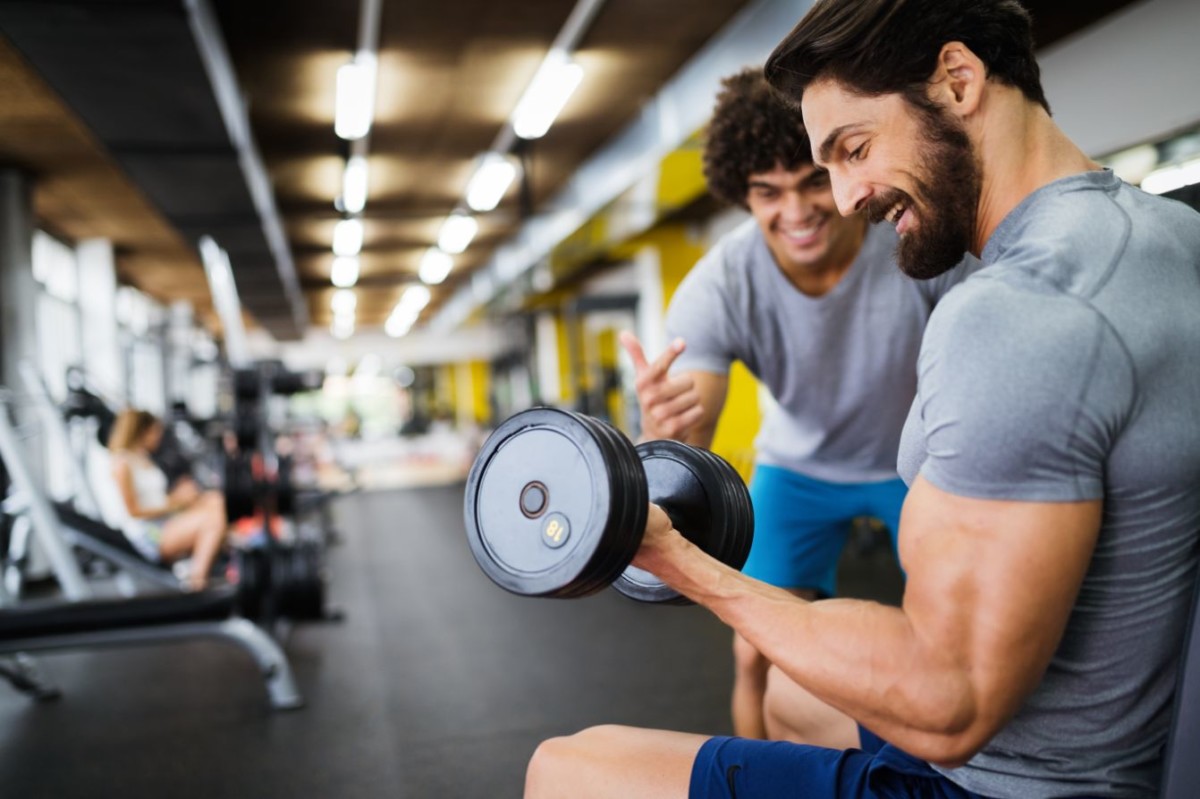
(807, 256)
(928, 265)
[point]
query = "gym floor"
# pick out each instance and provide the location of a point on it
(437, 683)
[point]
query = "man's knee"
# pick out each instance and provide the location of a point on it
(544, 765)
(557, 762)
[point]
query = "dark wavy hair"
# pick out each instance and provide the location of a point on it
(752, 130)
(877, 47)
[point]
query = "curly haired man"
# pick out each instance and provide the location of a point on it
(813, 304)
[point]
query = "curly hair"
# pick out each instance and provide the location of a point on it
(753, 130)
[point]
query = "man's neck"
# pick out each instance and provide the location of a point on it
(1021, 149)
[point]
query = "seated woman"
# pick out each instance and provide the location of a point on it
(164, 525)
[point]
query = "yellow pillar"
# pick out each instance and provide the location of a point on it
(445, 390)
(740, 419)
(481, 373)
(566, 383)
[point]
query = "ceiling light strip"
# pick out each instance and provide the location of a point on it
(573, 30)
(558, 75)
(681, 107)
(231, 103)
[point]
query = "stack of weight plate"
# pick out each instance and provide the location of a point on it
(708, 504)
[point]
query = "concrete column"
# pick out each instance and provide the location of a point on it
(177, 354)
(546, 352)
(97, 315)
(18, 290)
(19, 296)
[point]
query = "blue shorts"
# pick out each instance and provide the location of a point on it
(801, 525)
(738, 768)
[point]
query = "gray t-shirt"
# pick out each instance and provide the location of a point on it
(1068, 369)
(841, 367)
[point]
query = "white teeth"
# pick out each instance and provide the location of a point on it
(895, 213)
(800, 234)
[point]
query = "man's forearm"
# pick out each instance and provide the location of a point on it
(863, 658)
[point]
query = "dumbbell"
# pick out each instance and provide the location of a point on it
(293, 576)
(556, 504)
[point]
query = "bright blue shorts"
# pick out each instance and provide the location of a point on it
(801, 525)
(738, 768)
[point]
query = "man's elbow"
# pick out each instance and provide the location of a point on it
(952, 748)
(953, 733)
(953, 751)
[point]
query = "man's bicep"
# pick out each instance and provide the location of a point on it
(712, 389)
(991, 584)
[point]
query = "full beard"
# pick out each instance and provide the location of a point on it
(948, 192)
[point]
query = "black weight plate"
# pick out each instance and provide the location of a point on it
(676, 481)
(738, 530)
(555, 551)
(725, 534)
(299, 581)
(239, 489)
(245, 430)
(597, 576)
(247, 385)
(630, 502)
(743, 519)
(253, 582)
(285, 490)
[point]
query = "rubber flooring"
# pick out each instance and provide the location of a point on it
(436, 684)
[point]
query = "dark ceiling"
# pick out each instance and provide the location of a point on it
(445, 90)
(449, 75)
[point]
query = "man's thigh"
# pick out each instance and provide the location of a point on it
(737, 768)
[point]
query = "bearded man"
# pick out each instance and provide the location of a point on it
(1051, 532)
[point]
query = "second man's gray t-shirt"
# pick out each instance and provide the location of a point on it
(841, 367)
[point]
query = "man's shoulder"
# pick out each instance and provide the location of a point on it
(741, 244)
(996, 317)
(729, 262)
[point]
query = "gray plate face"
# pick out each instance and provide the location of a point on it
(552, 459)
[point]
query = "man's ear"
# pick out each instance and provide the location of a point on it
(958, 80)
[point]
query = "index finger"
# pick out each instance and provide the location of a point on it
(634, 348)
(663, 363)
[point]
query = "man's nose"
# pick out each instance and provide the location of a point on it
(850, 195)
(796, 205)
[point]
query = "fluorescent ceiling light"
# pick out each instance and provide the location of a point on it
(406, 312)
(354, 185)
(414, 298)
(355, 102)
(1170, 178)
(344, 302)
(548, 92)
(404, 315)
(345, 272)
(457, 232)
(435, 265)
(342, 327)
(397, 326)
(493, 175)
(348, 237)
